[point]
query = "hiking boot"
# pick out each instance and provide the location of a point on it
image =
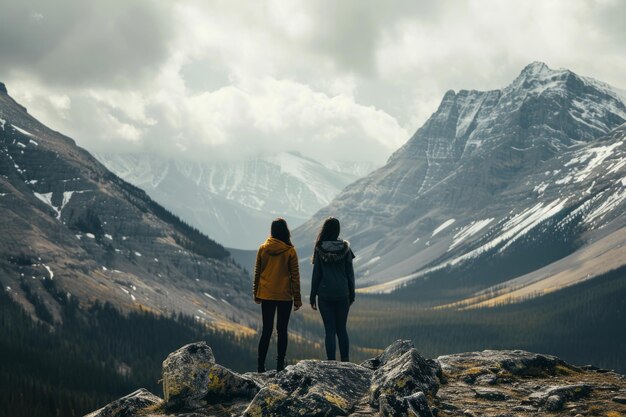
(280, 364)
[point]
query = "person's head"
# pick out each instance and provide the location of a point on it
(329, 231)
(280, 231)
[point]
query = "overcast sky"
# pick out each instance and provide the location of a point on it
(332, 79)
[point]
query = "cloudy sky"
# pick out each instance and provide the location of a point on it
(332, 79)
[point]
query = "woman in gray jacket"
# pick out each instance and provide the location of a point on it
(332, 286)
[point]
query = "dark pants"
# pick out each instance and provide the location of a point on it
(335, 316)
(268, 308)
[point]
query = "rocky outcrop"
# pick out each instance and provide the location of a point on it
(192, 380)
(397, 383)
(525, 383)
(319, 388)
(400, 371)
(130, 405)
(186, 376)
(515, 362)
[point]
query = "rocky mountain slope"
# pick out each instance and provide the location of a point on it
(511, 192)
(66, 218)
(234, 201)
(399, 382)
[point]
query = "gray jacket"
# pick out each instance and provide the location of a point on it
(333, 273)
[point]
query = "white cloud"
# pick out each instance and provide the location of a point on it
(61, 102)
(347, 80)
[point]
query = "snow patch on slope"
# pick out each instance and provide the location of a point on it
(515, 228)
(443, 226)
(469, 230)
(609, 204)
(22, 131)
(47, 198)
(601, 153)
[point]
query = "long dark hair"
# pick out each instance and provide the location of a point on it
(329, 231)
(280, 231)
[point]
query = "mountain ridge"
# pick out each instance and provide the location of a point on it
(67, 218)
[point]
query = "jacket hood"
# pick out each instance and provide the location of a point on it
(275, 246)
(333, 250)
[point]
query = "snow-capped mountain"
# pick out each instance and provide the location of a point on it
(234, 202)
(526, 183)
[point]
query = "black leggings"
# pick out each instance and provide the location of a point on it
(268, 308)
(335, 316)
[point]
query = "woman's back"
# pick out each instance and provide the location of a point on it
(277, 288)
(333, 276)
(332, 286)
(277, 268)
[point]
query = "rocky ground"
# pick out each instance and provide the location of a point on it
(398, 382)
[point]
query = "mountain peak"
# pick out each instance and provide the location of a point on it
(3, 88)
(536, 68)
(538, 73)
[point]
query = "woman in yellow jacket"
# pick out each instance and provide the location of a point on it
(276, 288)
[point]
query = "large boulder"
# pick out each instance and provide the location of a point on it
(312, 388)
(515, 362)
(553, 397)
(128, 406)
(393, 351)
(226, 385)
(186, 378)
(401, 371)
(192, 380)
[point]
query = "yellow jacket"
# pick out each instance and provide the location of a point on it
(276, 273)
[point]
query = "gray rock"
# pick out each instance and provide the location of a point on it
(226, 385)
(571, 392)
(393, 351)
(490, 394)
(554, 397)
(405, 374)
(324, 388)
(418, 405)
(516, 362)
(486, 379)
(415, 405)
(391, 406)
(448, 406)
(528, 408)
(260, 378)
(620, 399)
(128, 406)
(186, 378)
(554, 403)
